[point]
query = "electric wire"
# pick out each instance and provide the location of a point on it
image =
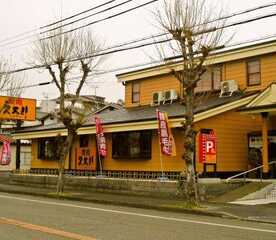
(163, 34)
(101, 20)
(77, 14)
(51, 24)
(83, 18)
(132, 66)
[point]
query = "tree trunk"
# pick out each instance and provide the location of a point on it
(189, 149)
(63, 155)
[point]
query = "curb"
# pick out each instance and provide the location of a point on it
(121, 203)
(219, 214)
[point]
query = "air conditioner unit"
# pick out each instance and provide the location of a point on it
(227, 88)
(170, 96)
(157, 98)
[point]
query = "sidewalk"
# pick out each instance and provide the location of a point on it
(260, 213)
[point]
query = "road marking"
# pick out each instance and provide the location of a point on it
(140, 214)
(44, 229)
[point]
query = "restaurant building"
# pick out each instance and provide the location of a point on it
(235, 108)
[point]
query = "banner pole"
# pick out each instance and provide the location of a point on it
(161, 161)
(99, 159)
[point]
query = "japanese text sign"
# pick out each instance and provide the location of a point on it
(12, 108)
(100, 138)
(207, 147)
(165, 137)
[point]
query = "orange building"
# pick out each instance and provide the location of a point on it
(235, 101)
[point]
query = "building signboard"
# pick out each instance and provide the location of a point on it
(13, 108)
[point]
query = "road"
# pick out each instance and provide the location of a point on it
(35, 218)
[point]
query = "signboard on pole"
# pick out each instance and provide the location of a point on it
(100, 138)
(12, 108)
(208, 147)
(166, 139)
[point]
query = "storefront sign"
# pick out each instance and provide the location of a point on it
(165, 136)
(100, 138)
(85, 159)
(208, 147)
(12, 108)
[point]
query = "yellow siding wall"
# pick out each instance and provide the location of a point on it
(231, 129)
(148, 87)
(169, 163)
(235, 70)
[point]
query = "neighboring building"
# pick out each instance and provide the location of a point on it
(235, 100)
(92, 102)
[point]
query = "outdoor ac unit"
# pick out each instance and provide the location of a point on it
(170, 95)
(228, 87)
(157, 98)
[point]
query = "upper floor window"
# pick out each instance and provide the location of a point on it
(135, 92)
(210, 80)
(253, 72)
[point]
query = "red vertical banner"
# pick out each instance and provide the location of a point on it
(208, 147)
(166, 139)
(100, 138)
(5, 157)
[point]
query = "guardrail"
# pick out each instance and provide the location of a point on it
(249, 171)
(104, 174)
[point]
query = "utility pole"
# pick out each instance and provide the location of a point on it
(18, 146)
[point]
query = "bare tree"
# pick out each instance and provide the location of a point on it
(10, 84)
(63, 55)
(195, 34)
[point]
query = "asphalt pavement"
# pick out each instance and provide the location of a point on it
(260, 213)
(32, 217)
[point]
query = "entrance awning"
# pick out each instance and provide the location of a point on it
(264, 102)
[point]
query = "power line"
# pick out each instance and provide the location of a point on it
(159, 34)
(137, 46)
(77, 14)
(48, 25)
(91, 15)
(27, 86)
(136, 66)
(101, 20)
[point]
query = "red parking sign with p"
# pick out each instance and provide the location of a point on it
(207, 147)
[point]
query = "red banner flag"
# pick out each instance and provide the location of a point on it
(166, 139)
(5, 157)
(100, 138)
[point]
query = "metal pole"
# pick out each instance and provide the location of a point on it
(18, 146)
(99, 159)
(161, 161)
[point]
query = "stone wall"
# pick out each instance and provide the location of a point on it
(155, 188)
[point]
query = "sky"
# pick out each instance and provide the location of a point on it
(18, 17)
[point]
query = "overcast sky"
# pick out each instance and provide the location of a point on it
(20, 16)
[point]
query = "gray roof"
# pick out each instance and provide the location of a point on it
(147, 113)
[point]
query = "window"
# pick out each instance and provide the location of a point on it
(84, 141)
(48, 149)
(253, 72)
(131, 145)
(25, 158)
(210, 80)
(136, 92)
